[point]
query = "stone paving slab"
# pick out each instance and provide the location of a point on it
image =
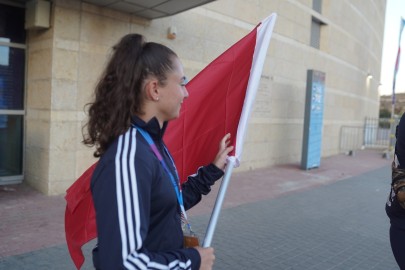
(32, 230)
(341, 225)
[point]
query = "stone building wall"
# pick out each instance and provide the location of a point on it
(65, 62)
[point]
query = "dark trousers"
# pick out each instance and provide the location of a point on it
(397, 239)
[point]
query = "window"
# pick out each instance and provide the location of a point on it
(12, 76)
(12, 64)
(317, 5)
(316, 33)
(12, 23)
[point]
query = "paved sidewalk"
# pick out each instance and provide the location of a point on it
(276, 218)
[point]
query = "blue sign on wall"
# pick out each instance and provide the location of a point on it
(313, 121)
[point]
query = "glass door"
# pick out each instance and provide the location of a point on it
(12, 85)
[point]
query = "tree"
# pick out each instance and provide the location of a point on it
(384, 113)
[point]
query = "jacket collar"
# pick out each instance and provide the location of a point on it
(152, 127)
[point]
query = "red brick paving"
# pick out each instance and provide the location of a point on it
(271, 182)
(30, 221)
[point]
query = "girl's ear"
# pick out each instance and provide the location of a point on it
(152, 90)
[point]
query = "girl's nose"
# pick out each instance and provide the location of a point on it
(185, 92)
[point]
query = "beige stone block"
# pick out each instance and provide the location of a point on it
(61, 165)
(39, 65)
(135, 27)
(63, 136)
(39, 94)
(156, 31)
(190, 48)
(265, 8)
(91, 65)
(59, 187)
(249, 11)
(277, 110)
(302, 18)
(280, 49)
(297, 108)
(37, 183)
(191, 68)
(188, 24)
(68, 4)
(102, 50)
(81, 134)
(139, 21)
(37, 35)
(81, 129)
(84, 159)
(292, 12)
(37, 134)
(38, 45)
(85, 95)
(211, 51)
(285, 68)
(265, 90)
(64, 94)
(255, 155)
(288, 52)
(90, 71)
(38, 115)
(295, 134)
(228, 34)
(273, 132)
(307, 3)
(81, 116)
(107, 12)
(68, 45)
(218, 6)
(65, 65)
(37, 168)
(211, 15)
(62, 116)
(257, 133)
(261, 108)
(102, 30)
(300, 34)
(67, 23)
(258, 151)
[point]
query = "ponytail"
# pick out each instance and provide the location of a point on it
(118, 94)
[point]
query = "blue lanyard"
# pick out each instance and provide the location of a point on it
(176, 184)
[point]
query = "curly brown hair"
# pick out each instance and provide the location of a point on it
(118, 94)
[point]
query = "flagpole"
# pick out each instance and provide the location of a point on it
(392, 127)
(218, 203)
(263, 32)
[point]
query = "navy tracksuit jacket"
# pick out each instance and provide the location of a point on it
(137, 212)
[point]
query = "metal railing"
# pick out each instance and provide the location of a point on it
(375, 133)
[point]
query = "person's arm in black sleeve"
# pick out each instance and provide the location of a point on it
(200, 183)
(400, 143)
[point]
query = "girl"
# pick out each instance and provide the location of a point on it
(135, 187)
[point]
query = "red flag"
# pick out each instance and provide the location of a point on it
(219, 102)
(80, 216)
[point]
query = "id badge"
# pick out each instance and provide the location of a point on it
(190, 240)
